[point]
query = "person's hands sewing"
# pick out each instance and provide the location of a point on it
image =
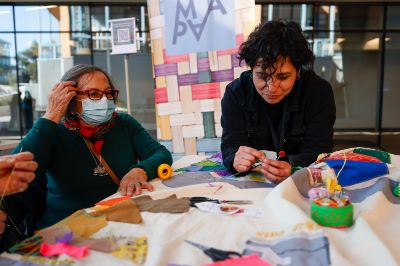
(276, 171)
(133, 182)
(245, 157)
(20, 168)
(58, 100)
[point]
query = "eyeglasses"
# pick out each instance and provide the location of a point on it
(96, 95)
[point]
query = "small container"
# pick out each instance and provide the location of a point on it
(337, 217)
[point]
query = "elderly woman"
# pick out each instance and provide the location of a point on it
(85, 150)
(279, 105)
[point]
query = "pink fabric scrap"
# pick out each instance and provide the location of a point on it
(250, 260)
(62, 248)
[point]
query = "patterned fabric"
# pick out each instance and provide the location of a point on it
(381, 155)
(94, 134)
(350, 156)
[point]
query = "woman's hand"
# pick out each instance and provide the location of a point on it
(245, 157)
(16, 172)
(133, 182)
(276, 171)
(58, 100)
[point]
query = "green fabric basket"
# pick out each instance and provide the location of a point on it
(331, 216)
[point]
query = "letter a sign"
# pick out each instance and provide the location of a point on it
(199, 25)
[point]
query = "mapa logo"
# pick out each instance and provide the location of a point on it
(198, 25)
(185, 17)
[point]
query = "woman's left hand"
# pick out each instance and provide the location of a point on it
(276, 171)
(133, 183)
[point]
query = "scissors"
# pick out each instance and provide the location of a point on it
(215, 254)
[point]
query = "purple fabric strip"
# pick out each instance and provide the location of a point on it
(203, 64)
(235, 60)
(223, 75)
(165, 69)
(188, 79)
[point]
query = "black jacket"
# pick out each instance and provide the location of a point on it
(306, 124)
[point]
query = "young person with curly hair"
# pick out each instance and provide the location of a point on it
(280, 104)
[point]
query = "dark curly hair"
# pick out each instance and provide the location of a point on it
(274, 39)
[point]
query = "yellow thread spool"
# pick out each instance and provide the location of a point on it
(164, 171)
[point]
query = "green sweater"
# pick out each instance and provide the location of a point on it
(67, 163)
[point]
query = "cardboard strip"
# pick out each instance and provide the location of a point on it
(165, 127)
(224, 62)
(193, 62)
(177, 140)
(165, 70)
(160, 95)
(161, 82)
(168, 59)
(182, 119)
(172, 88)
(190, 146)
(213, 60)
(183, 68)
(202, 64)
(156, 22)
(205, 91)
(207, 105)
(157, 45)
(193, 131)
(237, 71)
(169, 108)
(188, 79)
(222, 87)
(223, 75)
(156, 34)
(235, 61)
(186, 99)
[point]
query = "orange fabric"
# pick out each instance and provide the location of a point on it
(111, 202)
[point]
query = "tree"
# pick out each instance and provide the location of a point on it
(28, 63)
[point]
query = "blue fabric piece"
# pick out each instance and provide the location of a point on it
(356, 172)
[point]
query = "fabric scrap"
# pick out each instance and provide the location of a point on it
(61, 248)
(111, 202)
(125, 211)
(83, 224)
(297, 249)
(36, 261)
(225, 209)
(51, 234)
(134, 249)
(170, 204)
(357, 172)
(381, 155)
(253, 260)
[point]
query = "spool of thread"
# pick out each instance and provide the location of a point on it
(164, 171)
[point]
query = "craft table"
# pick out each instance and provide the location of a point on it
(374, 239)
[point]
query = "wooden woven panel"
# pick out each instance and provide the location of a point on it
(189, 87)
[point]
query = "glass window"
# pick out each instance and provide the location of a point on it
(301, 14)
(6, 18)
(52, 18)
(391, 88)
(37, 18)
(393, 17)
(343, 17)
(349, 62)
(102, 14)
(9, 102)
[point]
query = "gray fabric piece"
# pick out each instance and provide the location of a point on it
(301, 250)
(385, 185)
(193, 178)
(301, 178)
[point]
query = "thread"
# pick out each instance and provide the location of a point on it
(164, 171)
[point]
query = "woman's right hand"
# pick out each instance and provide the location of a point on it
(58, 100)
(245, 157)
